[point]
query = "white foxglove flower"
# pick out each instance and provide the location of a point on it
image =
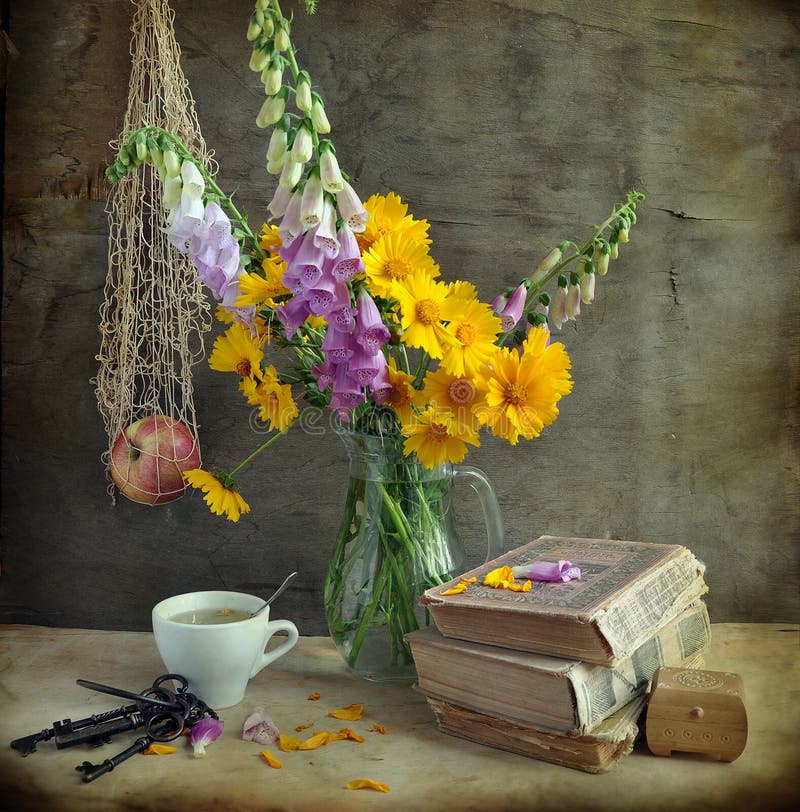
(330, 174)
(587, 288)
(172, 192)
(573, 303)
(311, 205)
(280, 200)
(319, 119)
(291, 173)
(351, 208)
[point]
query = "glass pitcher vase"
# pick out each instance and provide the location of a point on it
(397, 538)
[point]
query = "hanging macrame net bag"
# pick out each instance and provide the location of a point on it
(154, 312)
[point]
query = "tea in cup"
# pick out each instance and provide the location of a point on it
(211, 639)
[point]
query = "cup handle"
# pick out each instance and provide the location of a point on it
(268, 657)
(479, 482)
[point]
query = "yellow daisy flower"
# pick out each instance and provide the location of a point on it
(454, 393)
(221, 497)
(423, 307)
(277, 406)
(475, 327)
(394, 258)
(402, 395)
(269, 239)
(436, 437)
(237, 350)
(522, 389)
(388, 214)
(257, 290)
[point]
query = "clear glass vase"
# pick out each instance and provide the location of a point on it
(397, 538)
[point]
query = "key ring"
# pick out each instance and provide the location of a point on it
(164, 726)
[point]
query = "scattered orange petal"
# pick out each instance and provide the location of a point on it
(366, 783)
(271, 760)
(499, 578)
(347, 733)
(288, 743)
(378, 728)
(300, 728)
(455, 590)
(352, 713)
(317, 740)
(159, 750)
(314, 697)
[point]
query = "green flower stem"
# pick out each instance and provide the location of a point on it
(261, 448)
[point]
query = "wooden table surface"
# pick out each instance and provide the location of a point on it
(425, 769)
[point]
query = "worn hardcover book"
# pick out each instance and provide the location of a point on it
(596, 752)
(565, 696)
(628, 590)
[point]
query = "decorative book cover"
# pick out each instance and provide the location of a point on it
(628, 590)
(564, 696)
(596, 752)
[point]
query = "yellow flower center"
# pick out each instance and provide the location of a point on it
(427, 311)
(243, 368)
(461, 391)
(398, 267)
(399, 396)
(516, 394)
(437, 432)
(466, 334)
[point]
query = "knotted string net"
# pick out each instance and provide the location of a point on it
(154, 312)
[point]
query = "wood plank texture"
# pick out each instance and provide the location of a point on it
(510, 126)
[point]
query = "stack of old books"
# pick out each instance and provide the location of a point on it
(560, 672)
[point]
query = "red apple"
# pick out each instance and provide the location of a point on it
(149, 457)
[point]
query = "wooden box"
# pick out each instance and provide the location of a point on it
(697, 711)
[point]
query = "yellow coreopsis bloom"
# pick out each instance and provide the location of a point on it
(522, 389)
(237, 350)
(388, 214)
(221, 498)
(277, 406)
(269, 239)
(436, 437)
(401, 398)
(475, 327)
(394, 258)
(423, 308)
(257, 290)
(454, 393)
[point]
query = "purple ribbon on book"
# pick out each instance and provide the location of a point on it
(554, 571)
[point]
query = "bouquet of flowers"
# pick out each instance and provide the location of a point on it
(353, 292)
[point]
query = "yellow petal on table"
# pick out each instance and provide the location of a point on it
(499, 578)
(515, 587)
(468, 581)
(314, 697)
(300, 728)
(288, 743)
(317, 740)
(352, 713)
(378, 728)
(348, 733)
(271, 760)
(159, 750)
(367, 783)
(455, 590)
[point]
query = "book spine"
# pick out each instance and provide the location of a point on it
(600, 691)
(649, 605)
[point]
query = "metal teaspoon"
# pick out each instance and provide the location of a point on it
(275, 594)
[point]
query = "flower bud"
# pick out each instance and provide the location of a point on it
(156, 157)
(276, 167)
(172, 191)
(303, 92)
(587, 288)
(172, 164)
(614, 248)
(253, 29)
(319, 120)
(573, 303)
(282, 36)
(550, 261)
(291, 173)
(277, 144)
(330, 173)
(602, 260)
(303, 146)
(558, 307)
(259, 60)
(272, 110)
(142, 153)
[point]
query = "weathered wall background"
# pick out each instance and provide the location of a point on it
(510, 126)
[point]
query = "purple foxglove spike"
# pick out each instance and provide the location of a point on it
(515, 306)
(280, 200)
(351, 208)
(348, 262)
(291, 227)
(338, 347)
(363, 366)
(292, 314)
(311, 204)
(346, 392)
(559, 571)
(325, 237)
(323, 373)
(379, 386)
(342, 319)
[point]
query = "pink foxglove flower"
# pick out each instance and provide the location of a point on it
(351, 208)
(363, 366)
(574, 301)
(562, 571)
(348, 262)
(204, 732)
(325, 235)
(330, 173)
(587, 288)
(259, 727)
(558, 307)
(291, 227)
(311, 202)
(512, 310)
(280, 200)
(371, 332)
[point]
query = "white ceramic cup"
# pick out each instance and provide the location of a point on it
(218, 659)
